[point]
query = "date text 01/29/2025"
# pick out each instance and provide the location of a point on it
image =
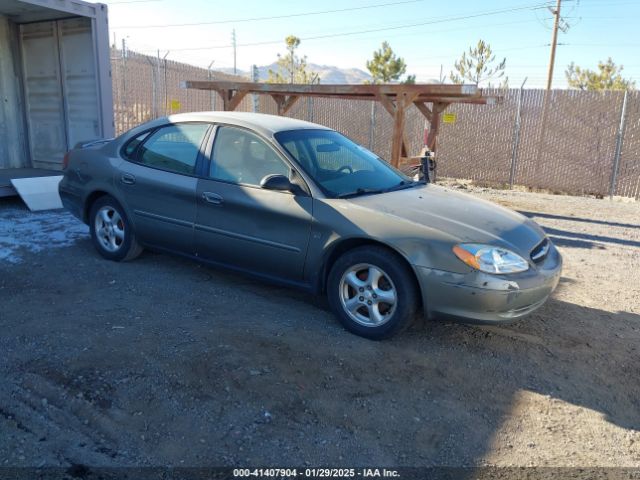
(315, 473)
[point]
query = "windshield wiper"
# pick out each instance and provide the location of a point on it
(402, 185)
(371, 191)
(361, 191)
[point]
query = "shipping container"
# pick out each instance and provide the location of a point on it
(55, 80)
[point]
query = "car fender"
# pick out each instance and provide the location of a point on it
(102, 177)
(335, 230)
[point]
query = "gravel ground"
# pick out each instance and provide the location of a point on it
(165, 362)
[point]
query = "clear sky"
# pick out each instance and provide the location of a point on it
(428, 34)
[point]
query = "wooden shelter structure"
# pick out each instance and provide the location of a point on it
(430, 99)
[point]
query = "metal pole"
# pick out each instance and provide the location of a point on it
(233, 40)
(212, 94)
(125, 122)
(166, 98)
(516, 137)
(310, 109)
(154, 87)
(157, 101)
(372, 124)
(619, 140)
(254, 78)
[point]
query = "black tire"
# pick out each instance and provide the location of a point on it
(122, 249)
(397, 278)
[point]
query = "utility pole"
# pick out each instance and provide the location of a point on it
(554, 43)
(233, 42)
(558, 24)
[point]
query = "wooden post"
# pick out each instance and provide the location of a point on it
(432, 138)
(225, 99)
(284, 103)
(398, 143)
(231, 99)
(398, 129)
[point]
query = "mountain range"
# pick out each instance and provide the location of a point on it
(328, 74)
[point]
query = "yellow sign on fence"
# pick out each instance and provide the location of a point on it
(449, 118)
(175, 106)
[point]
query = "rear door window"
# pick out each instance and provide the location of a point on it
(130, 148)
(174, 148)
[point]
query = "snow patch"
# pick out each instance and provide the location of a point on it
(24, 231)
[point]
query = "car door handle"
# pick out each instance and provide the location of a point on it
(127, 178)
(212, 198)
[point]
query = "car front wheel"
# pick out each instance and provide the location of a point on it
(111, 232)
(373, 292)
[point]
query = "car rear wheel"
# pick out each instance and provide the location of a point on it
(111, 231)
(373, 292)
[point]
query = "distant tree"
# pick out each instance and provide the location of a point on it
(608, 77)
(410, 79)
(291, 68)
(478, 65)
(386, 66)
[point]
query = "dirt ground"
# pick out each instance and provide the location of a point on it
(165, 362)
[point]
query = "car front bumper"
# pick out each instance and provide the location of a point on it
(484, 298)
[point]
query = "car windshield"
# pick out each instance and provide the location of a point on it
(339, 166)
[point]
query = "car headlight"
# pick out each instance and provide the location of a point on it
(490, 259)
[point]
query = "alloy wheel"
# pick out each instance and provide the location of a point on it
(368, 295)
(109, 228)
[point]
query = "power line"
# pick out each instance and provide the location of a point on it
(274, 17)
(457, 29)
(604, 44)
(149, 49)
(453, 56)
(608, 3)
(358, 32)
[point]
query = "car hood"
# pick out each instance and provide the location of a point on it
(459, 215)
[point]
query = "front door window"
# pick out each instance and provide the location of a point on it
(244, 158)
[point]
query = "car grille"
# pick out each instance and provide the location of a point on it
(539, 253)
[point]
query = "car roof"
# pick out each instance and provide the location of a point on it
(260, 122)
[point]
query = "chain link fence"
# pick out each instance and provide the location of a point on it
(579, 143)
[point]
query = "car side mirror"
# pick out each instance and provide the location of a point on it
(277, 182)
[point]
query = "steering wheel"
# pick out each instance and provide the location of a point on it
(345, 167)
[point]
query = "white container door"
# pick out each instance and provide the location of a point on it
(43, 92)
(80, 85)
(60, 88)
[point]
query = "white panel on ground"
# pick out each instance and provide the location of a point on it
(39, 193)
